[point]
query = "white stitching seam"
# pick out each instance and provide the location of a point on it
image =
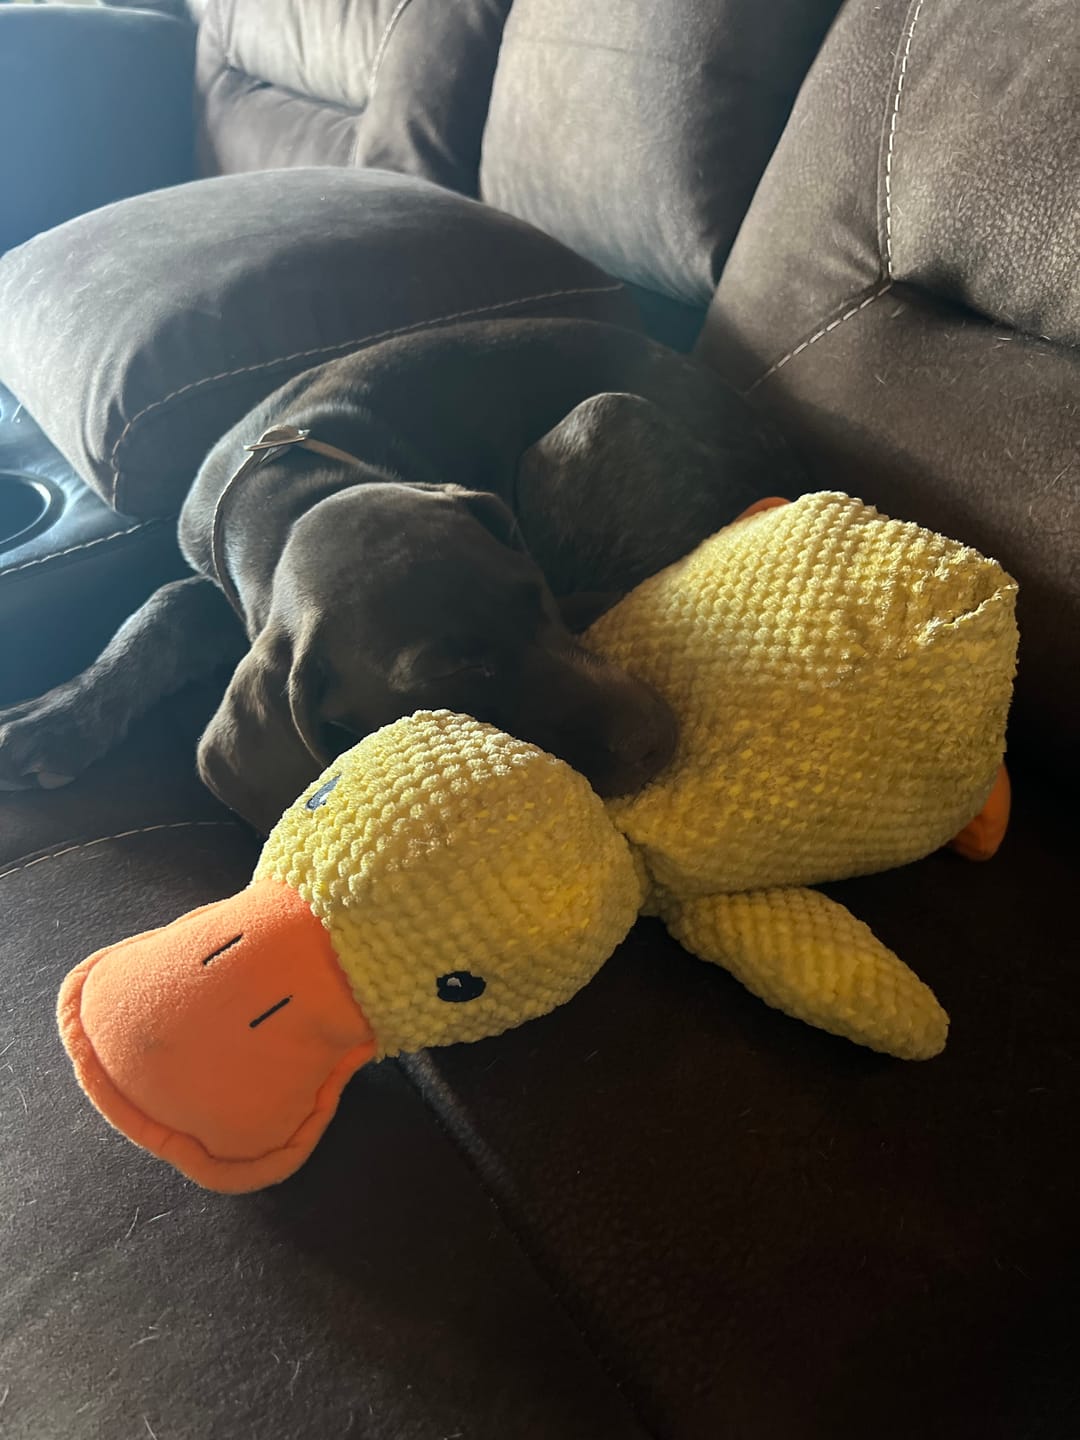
(122, 835)
(825, 330)
(887, 285)
(892, 138)
(86, 545)
(343, 345)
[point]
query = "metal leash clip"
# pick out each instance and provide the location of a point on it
(279, 437)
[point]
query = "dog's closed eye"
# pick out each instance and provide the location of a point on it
(438, 664)
(479, 670)
(495, 516)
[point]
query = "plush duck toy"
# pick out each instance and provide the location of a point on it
(841, 682)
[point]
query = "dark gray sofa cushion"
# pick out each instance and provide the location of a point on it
(137, 335)
(384, 84)
(771, 1234)
(911, 246)
(637, 135)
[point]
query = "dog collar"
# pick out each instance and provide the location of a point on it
(270, 444)
(283, 437)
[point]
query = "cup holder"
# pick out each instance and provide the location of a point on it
(28, 505)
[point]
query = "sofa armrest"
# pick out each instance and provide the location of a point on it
(95, 104)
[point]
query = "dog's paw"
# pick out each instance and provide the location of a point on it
(44, 743)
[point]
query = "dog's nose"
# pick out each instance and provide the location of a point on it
(644, 751)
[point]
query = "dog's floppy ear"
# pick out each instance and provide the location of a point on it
(621, 487)
(494, 514)
(259, 752)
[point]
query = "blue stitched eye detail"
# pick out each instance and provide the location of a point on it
(322, 793)
(460, 986)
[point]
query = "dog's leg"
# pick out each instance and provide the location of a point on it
(185, 631)
(620, 488)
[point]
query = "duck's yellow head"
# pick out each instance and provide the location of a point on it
(468, 881)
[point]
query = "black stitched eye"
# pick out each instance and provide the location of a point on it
(459, 986)
(319, 798)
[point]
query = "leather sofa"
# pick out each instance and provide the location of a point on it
(663, 1210)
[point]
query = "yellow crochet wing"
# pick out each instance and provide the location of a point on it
(806, 955)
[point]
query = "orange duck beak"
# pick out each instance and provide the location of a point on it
(222, 1042)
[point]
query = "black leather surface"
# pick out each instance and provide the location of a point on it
(95, 104)
(64, 591)
(377, 1294)
(170, 315)
(769, 1232)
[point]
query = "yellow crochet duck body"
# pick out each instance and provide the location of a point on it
(842, 683)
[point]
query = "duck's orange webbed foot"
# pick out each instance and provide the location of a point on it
(981, 837)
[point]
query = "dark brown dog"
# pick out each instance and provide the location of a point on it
(495, 486)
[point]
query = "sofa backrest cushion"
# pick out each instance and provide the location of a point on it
(636, 131)
(992, 217)
(904, 296)
(384, 84)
